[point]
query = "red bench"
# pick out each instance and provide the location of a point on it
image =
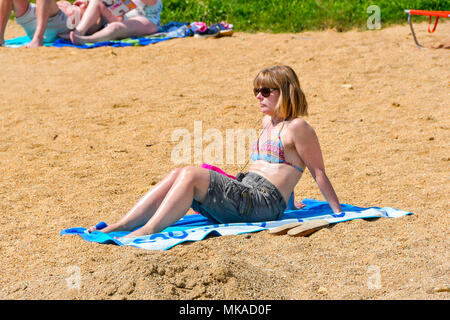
(437, 14)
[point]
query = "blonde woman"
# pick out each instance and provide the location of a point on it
(286, 146)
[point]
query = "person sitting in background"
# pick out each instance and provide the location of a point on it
(143, 20)
(41, 21)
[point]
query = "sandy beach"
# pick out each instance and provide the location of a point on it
(85, 133)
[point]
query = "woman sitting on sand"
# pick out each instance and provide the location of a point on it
(143, 20)
(285, 147)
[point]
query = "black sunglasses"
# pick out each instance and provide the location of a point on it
(265, 91)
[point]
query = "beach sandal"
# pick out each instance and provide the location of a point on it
(284, 228)
(225, 29)
(212, 31)
(307, 228)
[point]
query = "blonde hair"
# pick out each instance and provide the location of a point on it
(292, 102)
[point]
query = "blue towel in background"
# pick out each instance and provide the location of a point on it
(195, 227)
(21, 41)
(168, 31)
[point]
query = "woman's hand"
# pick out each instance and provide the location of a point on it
(298, 205)
(294, 204)
(81, 3)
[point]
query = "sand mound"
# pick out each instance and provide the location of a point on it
(84, 133)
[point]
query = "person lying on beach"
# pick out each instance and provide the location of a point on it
(286, 146)
(41, 21)
(144, 20)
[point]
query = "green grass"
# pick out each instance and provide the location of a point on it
(294, 15)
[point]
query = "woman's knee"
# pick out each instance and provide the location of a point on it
(152, 28)
(189, 173)
(96, 3)
(175, 173)
(19, 7)
(141, 26)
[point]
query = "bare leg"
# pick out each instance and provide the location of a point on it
(92, 16)
(94, 28)
(91, 30)
(192, 183)
(146, 207)
(135, 27)
(44, 10)
(6, 6)
(5, 12)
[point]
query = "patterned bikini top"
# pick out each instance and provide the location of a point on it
(271, 151)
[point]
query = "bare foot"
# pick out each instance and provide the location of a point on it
(110, 228)
(34, 44)
(75, 38)
(137, 233)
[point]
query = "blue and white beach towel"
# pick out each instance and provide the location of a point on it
(168, 31)
(195, 227)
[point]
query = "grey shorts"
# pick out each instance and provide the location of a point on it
(254, 199)
(56, 24)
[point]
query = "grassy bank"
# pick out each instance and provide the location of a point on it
(294, 15)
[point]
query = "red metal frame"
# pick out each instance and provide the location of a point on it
(437, 14)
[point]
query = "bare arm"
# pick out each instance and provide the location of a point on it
(20, 7)
(308, 147)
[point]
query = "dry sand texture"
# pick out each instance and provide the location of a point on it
(84, 133)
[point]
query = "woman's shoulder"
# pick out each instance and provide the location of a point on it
(301, 129)
(299, 124)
